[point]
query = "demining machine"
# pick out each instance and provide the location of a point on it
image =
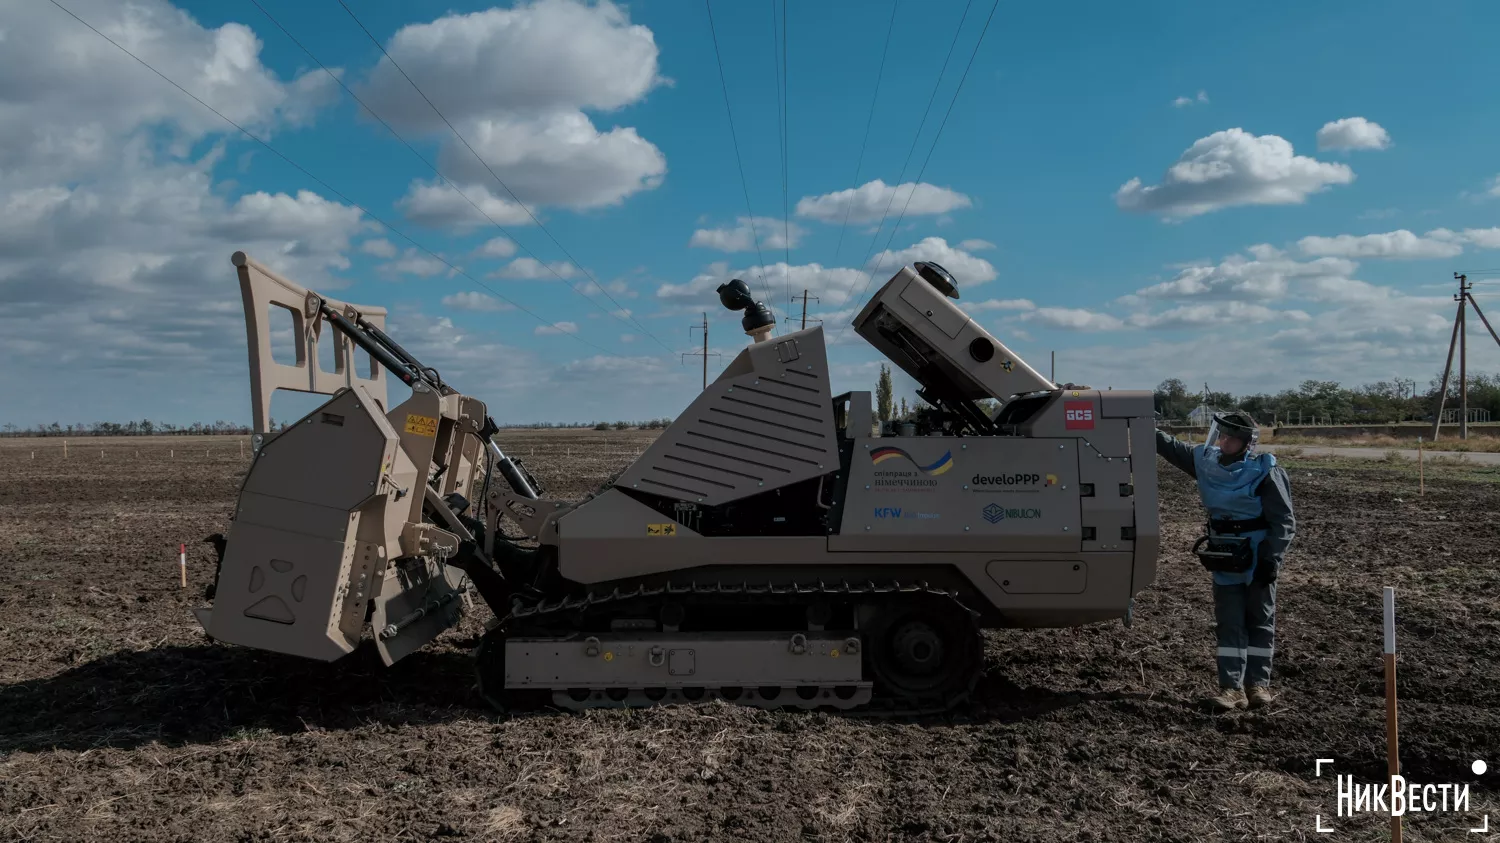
(770, 547)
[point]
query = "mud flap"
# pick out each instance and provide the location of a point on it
(419, 599)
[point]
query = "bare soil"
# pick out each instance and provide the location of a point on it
(118, 721)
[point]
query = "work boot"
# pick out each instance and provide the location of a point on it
(1228, 699)
(1260, 696)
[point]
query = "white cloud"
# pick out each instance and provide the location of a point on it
(515, 83)
(1205, 315)
(966, 268)
(379, 247)
(1484, 238)
(1073, 319)
(558, 158)
(770, 284)
(1263, 278)
(536, 57)
(436, 205)
(1392, 244)
(975, 245)
(1353, 133)
(627, 338)
(531, 269)
(1494, 189)
(556, 328)
(473, 300)
(413, 262)
(1230, 168)
(741, 237)
(1001, 304)
(108, 208)
(869, 202)
(1183, 102)
(67, 95)
(496, 247)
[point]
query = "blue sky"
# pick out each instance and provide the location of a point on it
(1308, 181)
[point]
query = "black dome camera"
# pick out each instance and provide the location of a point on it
(735, 295)
(938, 277)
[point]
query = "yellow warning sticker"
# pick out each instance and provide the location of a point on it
(421, 425)
(609, 656)
(835, 653)
(661, 529)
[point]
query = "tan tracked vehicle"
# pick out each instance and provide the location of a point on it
(767, 548)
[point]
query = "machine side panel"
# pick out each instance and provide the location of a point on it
(976, 493)
(767, 422)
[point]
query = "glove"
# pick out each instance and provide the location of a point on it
(1266, 568)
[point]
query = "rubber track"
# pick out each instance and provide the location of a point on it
(880, 705)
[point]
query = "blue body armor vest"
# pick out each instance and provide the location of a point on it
(1228, 493)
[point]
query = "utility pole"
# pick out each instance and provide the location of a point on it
(705, 353)
(803, 298)
(1465, 300)
(1054, 363)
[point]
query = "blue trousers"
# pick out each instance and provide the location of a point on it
(1245, 616)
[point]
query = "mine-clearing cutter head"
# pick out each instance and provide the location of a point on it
(768, 547)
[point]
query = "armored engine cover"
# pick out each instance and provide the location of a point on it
(765, 423)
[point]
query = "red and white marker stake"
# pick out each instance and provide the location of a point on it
(182, 562)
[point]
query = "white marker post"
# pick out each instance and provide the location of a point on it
(1392, 756)
(182, 562)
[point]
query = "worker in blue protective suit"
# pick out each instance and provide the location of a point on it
(1250, 527)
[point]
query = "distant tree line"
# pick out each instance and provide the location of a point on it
(147, 427)
(144, 427)
(1328, 402)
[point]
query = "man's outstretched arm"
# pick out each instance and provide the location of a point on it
(1177, 453)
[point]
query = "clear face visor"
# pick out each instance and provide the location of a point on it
(1230, 439)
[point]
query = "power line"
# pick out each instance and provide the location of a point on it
(733, 136)
(786, 147)
(437, 172)
(911, 151)
(497, 178)
(869, 121)
(870, 276)
(325, 185)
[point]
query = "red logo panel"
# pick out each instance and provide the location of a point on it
(1079, 415)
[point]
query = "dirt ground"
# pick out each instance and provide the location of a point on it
(119, 722)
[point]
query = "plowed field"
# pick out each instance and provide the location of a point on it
(118, 721)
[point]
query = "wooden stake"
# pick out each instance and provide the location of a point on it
(182, 562)
(1392, 756)
(65, 449)
(1421, 475)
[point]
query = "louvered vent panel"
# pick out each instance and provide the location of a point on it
(766, 422)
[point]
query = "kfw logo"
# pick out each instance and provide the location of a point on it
(887, 512)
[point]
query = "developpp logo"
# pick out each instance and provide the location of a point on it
(943, 463)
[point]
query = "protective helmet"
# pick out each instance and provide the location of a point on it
(1233, 425)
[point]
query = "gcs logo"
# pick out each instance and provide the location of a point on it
(1078, 415)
